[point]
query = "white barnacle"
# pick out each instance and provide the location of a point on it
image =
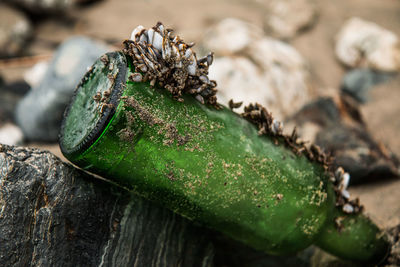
(339, 173)
(204, 79)
(199, 98)
(136, 77)
(276, 127)
(345, 180)
(348, 208)
(345, 194)
(210, 58)
(136, 32)
(157, 41)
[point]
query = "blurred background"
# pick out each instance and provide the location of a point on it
(328, 67)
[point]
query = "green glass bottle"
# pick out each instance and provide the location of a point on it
(208, 165)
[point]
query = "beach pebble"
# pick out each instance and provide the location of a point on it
(284, 19)
(362, 43)
(35, 75)
(263, 70)
(39, 113)
(10, 134)
(358, 82)
(43, 6)
(15, 30)
(231, 36)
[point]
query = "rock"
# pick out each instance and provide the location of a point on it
(263, 70)
(53, 214)
(382, 111)
(10, 134)
(231, 36)
(38, 7)
(286, 18)
(35, 75)
(321, 258)
(15, 30)
(338, 128)
(10, 94)
(357, 82)
(39, 114)
(362, 43)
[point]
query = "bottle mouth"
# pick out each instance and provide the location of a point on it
(93, 104)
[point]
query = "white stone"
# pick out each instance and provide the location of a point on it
(34, 75)
(265, 70)
(10, 134)
(231, 36)
(285, 18)
(362, 43)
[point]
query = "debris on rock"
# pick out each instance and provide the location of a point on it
(40, 112)
(358, 82)
(263, 70)
(15, 30)
(365, 44)
(339, 129)
(284, 19)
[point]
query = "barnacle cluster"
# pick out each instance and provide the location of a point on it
(160, 57)
(267, 125)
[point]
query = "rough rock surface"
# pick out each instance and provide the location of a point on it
(39, 113)
(362, 43)
(261, 69)
(52, 214)
(15, 29)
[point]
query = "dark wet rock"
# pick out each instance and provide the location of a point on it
(358, 82)
(15, 30)
(339, 129)
(40, 112)
(53, 214)
(10, 94)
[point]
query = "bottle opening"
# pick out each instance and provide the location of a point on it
(93, 104)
